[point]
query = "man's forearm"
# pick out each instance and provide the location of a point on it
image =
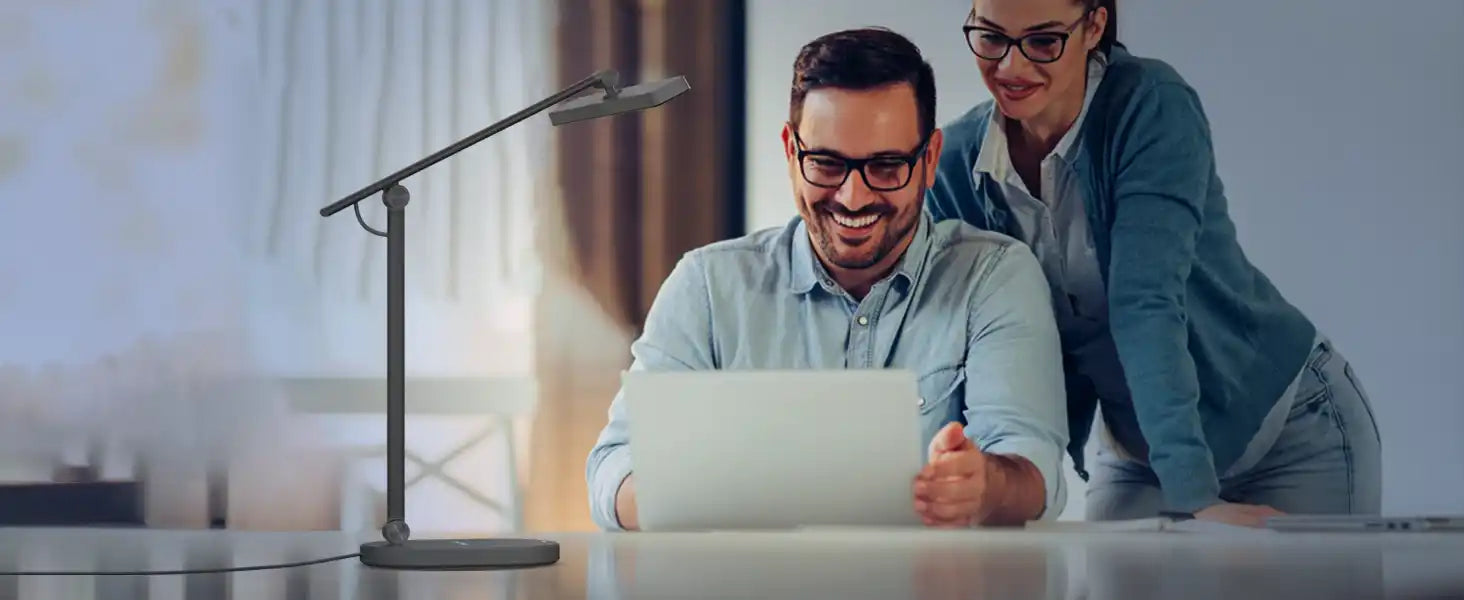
(1015, 490)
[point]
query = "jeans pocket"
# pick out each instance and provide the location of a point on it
(1363, 399)
(1313, 387)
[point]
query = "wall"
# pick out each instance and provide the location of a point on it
(1336, 131)
(1342, 173)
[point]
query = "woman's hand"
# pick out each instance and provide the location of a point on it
(1244, 515)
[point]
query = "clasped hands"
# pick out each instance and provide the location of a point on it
(956, 487)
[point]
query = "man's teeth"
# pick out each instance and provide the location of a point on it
(1017, 88)
(855, 222)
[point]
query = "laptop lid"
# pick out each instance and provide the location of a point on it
(762, 449)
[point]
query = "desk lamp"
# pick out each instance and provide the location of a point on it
(397, 551)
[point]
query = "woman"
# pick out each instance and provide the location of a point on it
(1219, 399)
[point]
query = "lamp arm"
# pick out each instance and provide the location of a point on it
(607, 80)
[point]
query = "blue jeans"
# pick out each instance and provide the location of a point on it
(1327, 458)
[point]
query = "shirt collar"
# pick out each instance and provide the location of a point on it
(807, 270)
(996, 161)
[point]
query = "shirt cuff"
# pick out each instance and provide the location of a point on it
(1191, 496)
(612, 471)
(1048, 461)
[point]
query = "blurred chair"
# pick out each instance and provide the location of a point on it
(284, 481)
(502, 399)
(291, 477)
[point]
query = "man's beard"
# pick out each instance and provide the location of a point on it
(894, 232)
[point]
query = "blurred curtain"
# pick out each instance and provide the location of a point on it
(636, 192)
(125, 164)
(353, 91)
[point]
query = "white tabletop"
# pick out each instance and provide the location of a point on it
(842, 564)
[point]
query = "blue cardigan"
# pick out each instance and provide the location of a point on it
(1207, 343)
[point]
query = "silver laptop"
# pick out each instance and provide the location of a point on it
(1365, 523)
(764, 449)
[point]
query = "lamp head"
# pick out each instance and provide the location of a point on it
(610, 82)
(630, 99)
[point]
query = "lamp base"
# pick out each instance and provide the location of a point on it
(459, 555)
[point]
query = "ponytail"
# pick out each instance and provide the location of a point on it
(1110, 32)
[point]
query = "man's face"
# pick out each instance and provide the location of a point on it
(860, 221)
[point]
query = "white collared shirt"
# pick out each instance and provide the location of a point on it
(1056, 228)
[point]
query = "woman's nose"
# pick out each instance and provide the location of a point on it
(1013, 62)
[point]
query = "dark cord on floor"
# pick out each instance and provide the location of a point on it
(292, 565)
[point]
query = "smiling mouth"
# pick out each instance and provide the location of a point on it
(861, 222)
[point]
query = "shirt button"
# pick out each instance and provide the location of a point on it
(862, 320)
(920, 401)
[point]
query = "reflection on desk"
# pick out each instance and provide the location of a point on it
(885, 564)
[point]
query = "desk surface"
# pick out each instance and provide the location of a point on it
(822, 564)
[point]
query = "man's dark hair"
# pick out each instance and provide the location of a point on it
(863, 59)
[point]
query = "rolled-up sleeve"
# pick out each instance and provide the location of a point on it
(607, 468)
(1016, 403)
(676, 336)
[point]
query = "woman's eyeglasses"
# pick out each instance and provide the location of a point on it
(1041, 47)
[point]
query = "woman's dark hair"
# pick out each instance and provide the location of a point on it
(1110, 33)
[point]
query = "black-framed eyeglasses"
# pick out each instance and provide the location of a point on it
(1040, 47)
(882, 172)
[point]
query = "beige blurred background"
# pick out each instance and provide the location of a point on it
(161, 165)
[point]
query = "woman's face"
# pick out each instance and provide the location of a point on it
(1056, 36)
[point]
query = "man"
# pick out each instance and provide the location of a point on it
(863, 278)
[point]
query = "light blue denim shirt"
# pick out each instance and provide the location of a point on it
(968, 311)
